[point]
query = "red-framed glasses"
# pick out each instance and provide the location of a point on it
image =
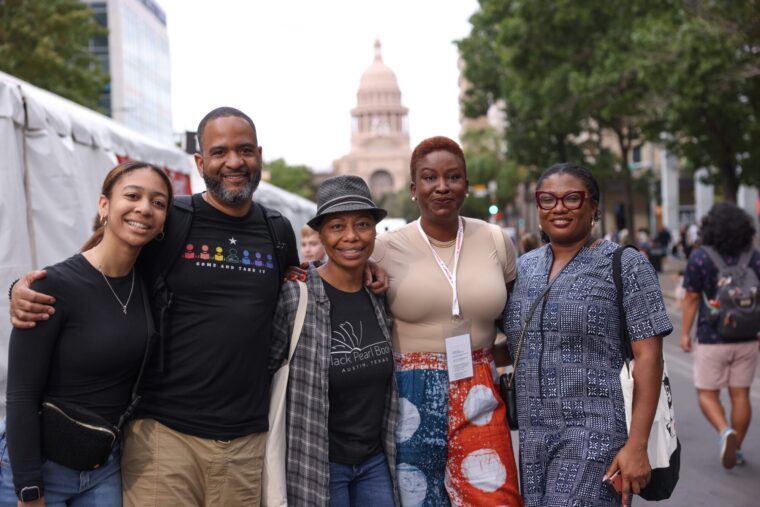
(571, 200)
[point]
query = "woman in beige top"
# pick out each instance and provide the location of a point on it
(448, 285)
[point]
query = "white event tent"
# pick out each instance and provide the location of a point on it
(54, 155)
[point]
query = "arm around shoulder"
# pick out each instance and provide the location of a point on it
(28, 306)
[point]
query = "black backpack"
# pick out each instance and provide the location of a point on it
(734, 312)
(157, 259)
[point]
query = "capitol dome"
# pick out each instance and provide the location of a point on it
(378, 77)
(379, 132)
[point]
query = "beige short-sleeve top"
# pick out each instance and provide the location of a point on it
(420, 296)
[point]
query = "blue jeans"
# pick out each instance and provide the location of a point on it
(367, 484)
(64, 486)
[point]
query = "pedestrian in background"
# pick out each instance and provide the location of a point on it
(448, 285)
(721, 361)
(572, 420)
(528, 242)
(83, 361)
(312, 250)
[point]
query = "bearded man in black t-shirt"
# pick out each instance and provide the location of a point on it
(200, 432)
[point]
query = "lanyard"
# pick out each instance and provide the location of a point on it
(451, 277)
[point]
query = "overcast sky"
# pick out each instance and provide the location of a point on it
(294, 66)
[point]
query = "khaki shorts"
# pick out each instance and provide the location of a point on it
(162, 467)
(725, 365)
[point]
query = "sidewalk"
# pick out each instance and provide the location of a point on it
(669, 277)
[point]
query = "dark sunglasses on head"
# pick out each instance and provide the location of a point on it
(571, 200)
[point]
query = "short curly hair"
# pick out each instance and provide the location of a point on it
(727, 228)
(431, 144)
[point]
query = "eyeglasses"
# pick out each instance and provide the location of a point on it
(571, 200)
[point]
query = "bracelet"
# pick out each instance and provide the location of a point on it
(10, 289)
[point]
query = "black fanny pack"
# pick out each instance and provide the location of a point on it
(75, 437)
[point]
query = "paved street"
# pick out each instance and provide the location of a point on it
(704, 482)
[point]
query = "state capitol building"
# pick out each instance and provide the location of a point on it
(380, 150)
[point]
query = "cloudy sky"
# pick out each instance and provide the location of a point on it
(294, 66)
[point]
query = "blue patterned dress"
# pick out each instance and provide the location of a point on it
(570, 404)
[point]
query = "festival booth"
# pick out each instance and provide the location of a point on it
(54, 155)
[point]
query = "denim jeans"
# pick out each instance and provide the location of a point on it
(65, 486)
(367, 484)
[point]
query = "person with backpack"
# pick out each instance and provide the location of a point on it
(201, 426)
(722, 283)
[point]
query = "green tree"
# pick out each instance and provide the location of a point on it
(45, 42)
(484, 151)
(565, 72)
(298, 179)
(398, 205)
(574, 75)
(703, 59)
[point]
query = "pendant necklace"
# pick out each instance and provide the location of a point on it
(123, 305)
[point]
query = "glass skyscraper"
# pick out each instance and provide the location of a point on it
(136, 54)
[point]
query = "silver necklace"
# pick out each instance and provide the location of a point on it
(123, 305)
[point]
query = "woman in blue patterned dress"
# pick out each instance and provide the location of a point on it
(570, 404)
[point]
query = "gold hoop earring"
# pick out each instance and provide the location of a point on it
(160, 236)
(103, 221)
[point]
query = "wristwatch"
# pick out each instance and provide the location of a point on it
(30, 494)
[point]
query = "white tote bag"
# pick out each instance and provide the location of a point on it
(662, 437)
(663, 448)
(273, 481)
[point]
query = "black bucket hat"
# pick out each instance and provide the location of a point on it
(344, 193)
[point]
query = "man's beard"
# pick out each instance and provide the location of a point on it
(215, 186)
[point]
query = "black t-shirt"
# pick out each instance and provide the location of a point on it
(361, 365)
(87, 355)
(215, 382)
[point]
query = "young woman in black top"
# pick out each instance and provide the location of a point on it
(88, 353)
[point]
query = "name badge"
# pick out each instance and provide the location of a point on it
(459, 357)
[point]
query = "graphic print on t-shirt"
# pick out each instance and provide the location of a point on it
(216, 256)
(348, 349)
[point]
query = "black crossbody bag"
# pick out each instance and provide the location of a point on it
(78, 438)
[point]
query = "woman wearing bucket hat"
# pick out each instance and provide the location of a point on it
(449, 279)
(341, 395)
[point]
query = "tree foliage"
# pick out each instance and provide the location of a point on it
(298, 179)
(574, 75)
(486, 162)
(703, 59)
(398, 205)
(45, 42)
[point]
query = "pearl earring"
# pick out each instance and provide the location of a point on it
(414, 198)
